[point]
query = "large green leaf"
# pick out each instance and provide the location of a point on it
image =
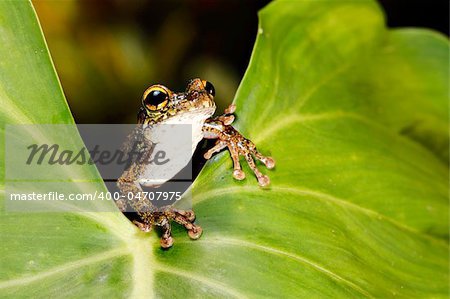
(356, 117)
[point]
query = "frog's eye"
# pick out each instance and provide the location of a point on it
(155, 98)
(209, 88)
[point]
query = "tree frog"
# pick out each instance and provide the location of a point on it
(196, 107)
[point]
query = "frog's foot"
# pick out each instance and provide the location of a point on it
(247, 149)
(240, 146)
(185, 218)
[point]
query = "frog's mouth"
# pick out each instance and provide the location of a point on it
(195, 118)
(203, 105)
(198, 112)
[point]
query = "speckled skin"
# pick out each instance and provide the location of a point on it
(195, 106)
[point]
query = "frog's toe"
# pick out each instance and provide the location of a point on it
(268, 161)
(189, 215)
(230, 109)
(187, 218)
(145, 227)
(227, 119)
(166, 238)
(238, 174)
(195, 232)
(216, 148)
(166, 242)
(264, 181)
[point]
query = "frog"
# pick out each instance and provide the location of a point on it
(196, 107)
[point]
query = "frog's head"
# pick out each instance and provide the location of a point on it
(159, 103)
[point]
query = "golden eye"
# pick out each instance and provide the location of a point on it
(155, 98)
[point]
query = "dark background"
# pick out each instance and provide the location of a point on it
(107, 52)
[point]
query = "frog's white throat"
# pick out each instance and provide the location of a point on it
(170, 137)
(195, 119)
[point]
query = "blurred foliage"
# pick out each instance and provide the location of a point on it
(108, 52)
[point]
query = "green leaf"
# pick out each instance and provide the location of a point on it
(51, 254)
(356, 117)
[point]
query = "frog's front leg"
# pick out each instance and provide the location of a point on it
(219, 128)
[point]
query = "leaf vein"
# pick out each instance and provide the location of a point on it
(271, 250)
(209, 282)
(328, 198)
(63, 268)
